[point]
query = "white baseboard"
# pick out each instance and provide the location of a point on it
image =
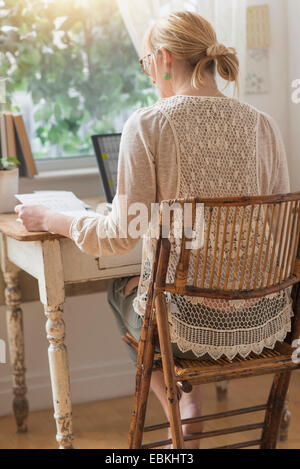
(88, 383)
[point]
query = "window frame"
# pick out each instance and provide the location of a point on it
(65, 163)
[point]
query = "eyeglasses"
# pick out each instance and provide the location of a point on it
(146, 63)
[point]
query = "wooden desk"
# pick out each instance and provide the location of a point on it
(56, 263)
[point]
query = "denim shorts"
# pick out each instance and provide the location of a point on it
(128, 320)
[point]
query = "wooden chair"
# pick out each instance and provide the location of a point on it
(270, 262)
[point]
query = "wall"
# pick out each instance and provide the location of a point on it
(294, 73)
(284, 67)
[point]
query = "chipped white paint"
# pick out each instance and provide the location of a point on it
(58, 363)
(15, 335)
(52, 295)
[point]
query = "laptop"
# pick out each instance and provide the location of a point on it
(106, 148)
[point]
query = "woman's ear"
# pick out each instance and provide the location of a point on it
(166, 56)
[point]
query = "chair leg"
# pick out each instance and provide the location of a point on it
(222, 390)
(168, 371)
(143, 377)
(285, 421)
(275, 410)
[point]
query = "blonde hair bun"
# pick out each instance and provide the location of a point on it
(190, 37)
(217, 50)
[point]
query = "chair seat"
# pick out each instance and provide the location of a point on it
(208, 370)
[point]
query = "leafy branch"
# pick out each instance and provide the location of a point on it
(8, 163)
(79, 65)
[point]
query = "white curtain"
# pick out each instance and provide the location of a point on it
(227, 16)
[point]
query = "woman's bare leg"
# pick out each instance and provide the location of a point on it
(190, 406)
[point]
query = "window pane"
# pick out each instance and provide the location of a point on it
(72, 71)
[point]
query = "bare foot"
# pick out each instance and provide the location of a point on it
(190, 408)
(187, 412)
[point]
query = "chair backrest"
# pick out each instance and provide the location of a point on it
(106, 148)
(249, 247)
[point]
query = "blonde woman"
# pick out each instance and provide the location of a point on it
(193, 141)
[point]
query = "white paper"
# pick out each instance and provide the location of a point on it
(59, 201)
(80, 213)
(61, 193)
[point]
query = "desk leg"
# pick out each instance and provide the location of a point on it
(16, 348)
(59, 372)
(52, 295)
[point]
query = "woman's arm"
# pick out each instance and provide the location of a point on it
(104, 236)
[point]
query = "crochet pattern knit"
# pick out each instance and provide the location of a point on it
(217, 153)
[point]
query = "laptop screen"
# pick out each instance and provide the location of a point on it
(106, 148)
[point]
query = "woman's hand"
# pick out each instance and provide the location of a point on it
(33, 217)
(41, 218)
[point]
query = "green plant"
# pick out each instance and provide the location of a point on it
(8, 163)
(78, 63)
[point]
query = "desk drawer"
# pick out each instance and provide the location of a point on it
(79, 267)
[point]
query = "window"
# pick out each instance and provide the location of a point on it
(71, 70)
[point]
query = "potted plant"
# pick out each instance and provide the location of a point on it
(9, 184)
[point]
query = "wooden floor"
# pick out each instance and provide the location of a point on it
(104, 424)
